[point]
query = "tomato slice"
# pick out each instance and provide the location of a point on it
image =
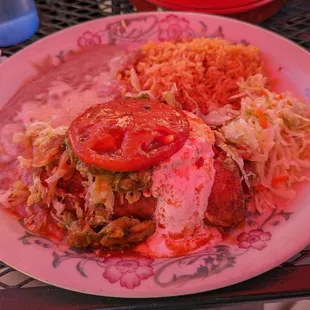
(128, 135)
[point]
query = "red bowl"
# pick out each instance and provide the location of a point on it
(207, 5)
(253, 11)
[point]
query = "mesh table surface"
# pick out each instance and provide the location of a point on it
(292, 21)
(56, 15)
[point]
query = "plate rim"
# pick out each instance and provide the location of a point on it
(124, 16)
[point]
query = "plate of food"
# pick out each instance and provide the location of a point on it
(154, 154)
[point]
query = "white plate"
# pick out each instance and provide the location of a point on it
(263, 243)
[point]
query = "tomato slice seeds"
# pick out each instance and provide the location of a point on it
(128, 135)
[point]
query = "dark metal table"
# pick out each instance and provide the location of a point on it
(290, 280)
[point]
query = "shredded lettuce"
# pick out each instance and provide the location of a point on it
(45, 141)
(38, 192)
(58, 206)
(100, 192)
(145, 94)
(220, 116)
(169, 97)
(61, 169)
(272, 131)
(25, 162)
(233, 153)
(134, 80)
(15, 196)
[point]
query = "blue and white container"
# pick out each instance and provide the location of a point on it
(18, 21)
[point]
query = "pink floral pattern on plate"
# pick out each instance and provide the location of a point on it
(88, 39)
(132, 272)
(253, 239)
(136, 31)
(174, 27)
(128, 271)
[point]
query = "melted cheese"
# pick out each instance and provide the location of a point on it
(182, 186)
